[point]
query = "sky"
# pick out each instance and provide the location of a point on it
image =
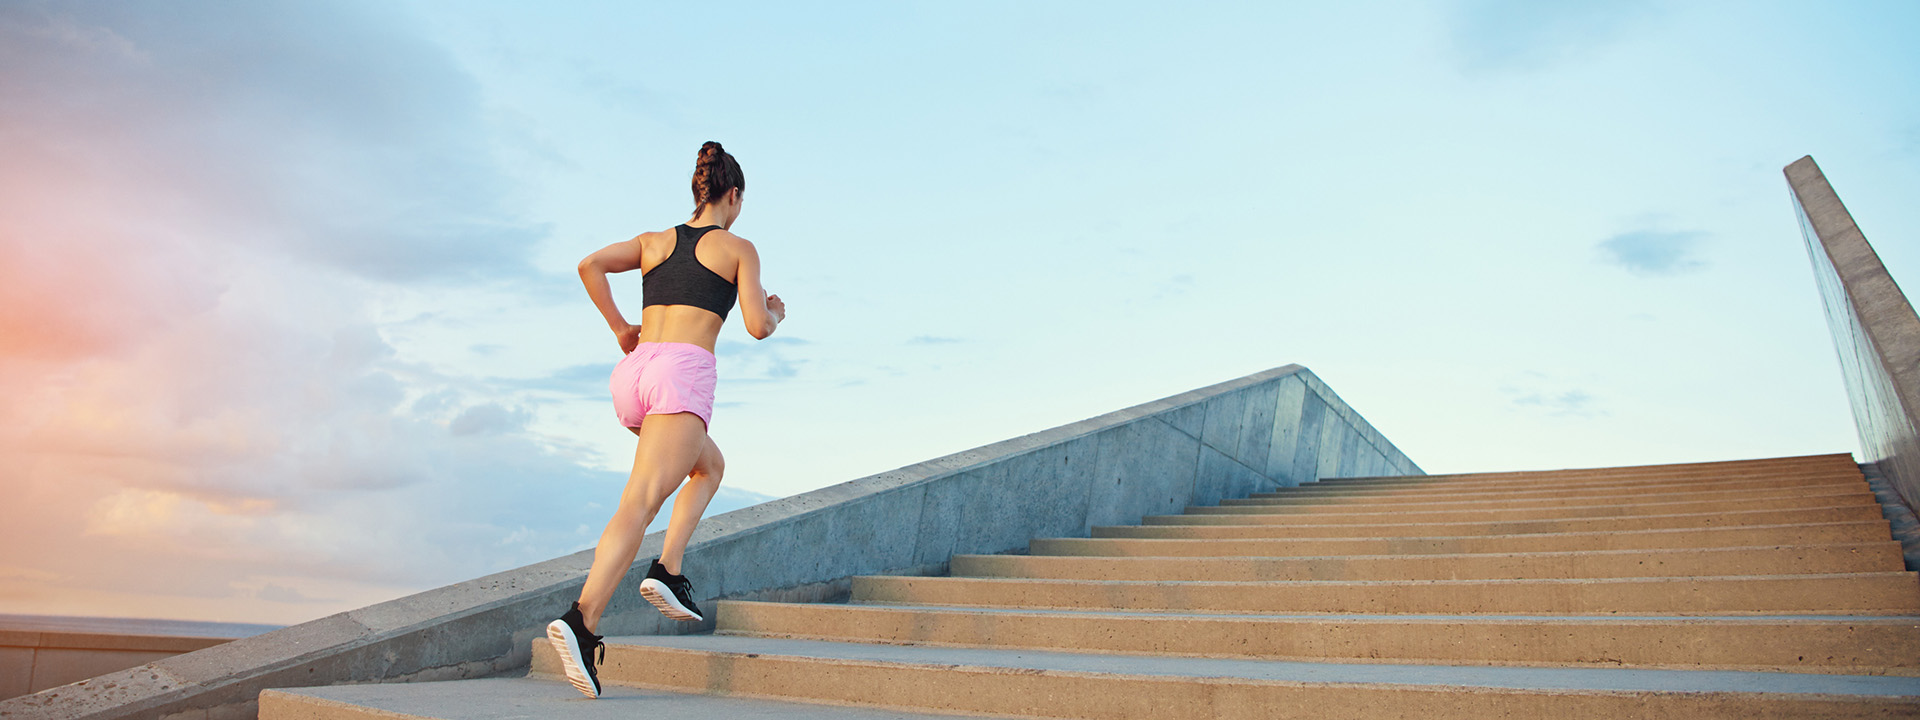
(289, 323)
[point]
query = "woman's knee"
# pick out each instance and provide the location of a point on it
(706, 472)
(645, 498)
(710, 465)
(640, 495)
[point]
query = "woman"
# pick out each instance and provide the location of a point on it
(663, 392)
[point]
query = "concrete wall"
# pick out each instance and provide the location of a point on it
(32, 660)
(1277, 428)
(1876, 334)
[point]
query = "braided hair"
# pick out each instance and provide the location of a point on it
(715, 173)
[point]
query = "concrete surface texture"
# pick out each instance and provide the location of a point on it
(1877, 335)
(1717, 619)
(522, 698)
(44, 651)
(31, 661)
(1263, 432)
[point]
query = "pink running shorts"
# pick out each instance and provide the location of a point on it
(663, 378)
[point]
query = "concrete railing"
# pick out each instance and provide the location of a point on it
(1277, 428)
(35, 660)
(1877, 336)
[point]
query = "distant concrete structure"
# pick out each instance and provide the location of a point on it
(41, 652)
(1877, 335)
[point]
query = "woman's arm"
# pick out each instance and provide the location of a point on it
(760, 312)
(616, 258)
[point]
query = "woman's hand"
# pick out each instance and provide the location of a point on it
(629, 337)
(777, 308)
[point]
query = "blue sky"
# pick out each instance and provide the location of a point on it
(341, 237)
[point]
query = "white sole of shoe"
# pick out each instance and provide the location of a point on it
(656, 592)
(565, 644)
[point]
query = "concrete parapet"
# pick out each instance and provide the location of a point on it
(1265, 431)
(34, 660)
(1875, 331)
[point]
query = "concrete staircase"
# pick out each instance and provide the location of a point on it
(1749, 589)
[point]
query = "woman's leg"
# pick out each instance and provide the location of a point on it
(668, 447)
(692, 501)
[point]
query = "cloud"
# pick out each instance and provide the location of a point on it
(1520, 35)
(301, 455)
(587, 381)
(1176, 286)
(1541, 392)
(488, 419)
(932, 340)
(1650, 252)
(759, 361)
(201, 210)
(331, 132)
(1572, 402)
(283, 594)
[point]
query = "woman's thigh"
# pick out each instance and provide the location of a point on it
(667, 449)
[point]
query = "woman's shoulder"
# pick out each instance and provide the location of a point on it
(652, 246)
(649, 236)
(729, 240)
(655, 238)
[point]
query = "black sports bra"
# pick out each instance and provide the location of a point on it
(682, 280)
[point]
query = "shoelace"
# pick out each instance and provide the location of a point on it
(600, 652)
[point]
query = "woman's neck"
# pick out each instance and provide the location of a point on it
(708, 216)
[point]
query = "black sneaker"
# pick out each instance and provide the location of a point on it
(671, 593)
(576, 646)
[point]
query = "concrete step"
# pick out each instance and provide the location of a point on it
(1751, 501)
(1078, 685)
(1878, 593)
(1746, 589)
(1855, 645)
(1571, 482)
(541, 696)
(1559, 498)
(1884, 556)
(1838, 462)
(1808, 534)
(1613, 507)
(1416, 487)
(1252, 526)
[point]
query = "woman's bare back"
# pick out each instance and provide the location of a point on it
(686, 323)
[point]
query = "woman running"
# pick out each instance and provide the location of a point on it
(663, 392)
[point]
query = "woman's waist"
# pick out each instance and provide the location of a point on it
(687, 326)
(706, 347)
(669, 346)
(676, 341)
